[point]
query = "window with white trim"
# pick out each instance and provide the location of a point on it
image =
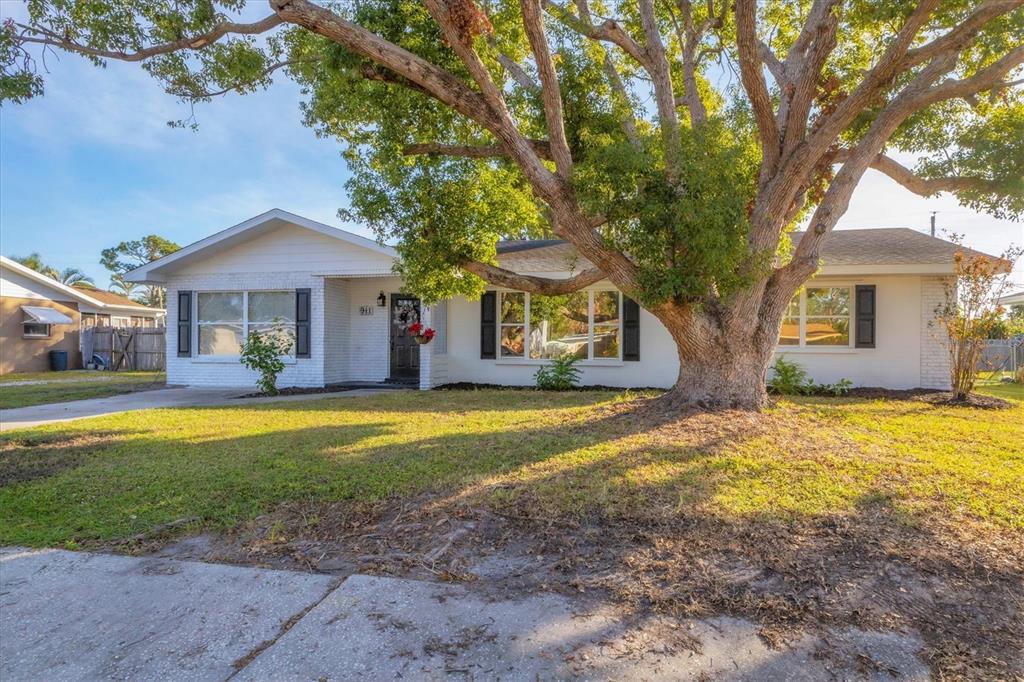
(818, 317)
(584, 324)
(35, 330)
(224, 318)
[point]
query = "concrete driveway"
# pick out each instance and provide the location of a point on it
(77, 616)
(37, 415)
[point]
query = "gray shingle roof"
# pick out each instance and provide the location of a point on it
(879, 246)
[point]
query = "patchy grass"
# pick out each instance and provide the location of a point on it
(883, 514)
(58, 387)
(575, 454)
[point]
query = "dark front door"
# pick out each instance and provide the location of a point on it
(405, 352)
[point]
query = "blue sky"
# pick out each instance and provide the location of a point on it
(93, 162)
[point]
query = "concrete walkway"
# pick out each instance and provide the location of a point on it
(36, 415)
(76, 616)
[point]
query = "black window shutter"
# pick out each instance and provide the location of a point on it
(488, 325)
(302, 323)
(865, 312)
(184, 324)
(630, 329)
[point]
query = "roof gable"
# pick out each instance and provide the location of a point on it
(231, 247)
(56, 291)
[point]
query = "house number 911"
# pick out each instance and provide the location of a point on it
(366, 310)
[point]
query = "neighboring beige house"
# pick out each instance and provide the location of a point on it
(867, 315)
(39, 314)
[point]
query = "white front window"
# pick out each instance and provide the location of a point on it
(818, 317)
(224, 318)
(583, 324)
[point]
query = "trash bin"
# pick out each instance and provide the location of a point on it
(58, 360)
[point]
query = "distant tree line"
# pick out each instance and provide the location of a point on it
(119, 260)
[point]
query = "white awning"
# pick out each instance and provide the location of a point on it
(41, 315)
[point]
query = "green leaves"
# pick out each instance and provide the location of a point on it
(689, 236)
(686, 239)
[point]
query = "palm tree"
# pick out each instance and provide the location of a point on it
(33, 261)
(72, 277)
(119, 285)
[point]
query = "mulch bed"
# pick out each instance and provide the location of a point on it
(294, 390)
(943, 398)
(471, 386)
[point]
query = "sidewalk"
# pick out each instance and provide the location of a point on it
(36, 415)
(76, 616)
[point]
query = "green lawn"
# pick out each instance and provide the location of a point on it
(56, 387)
(990, 383)
(573, 455)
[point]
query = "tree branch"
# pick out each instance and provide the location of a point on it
(535, 285)
(193, 43)
(752, 76)
(241, 84)
(439, 83)
(620, 93)
(664, 95)
(608, 31)
(963, 32)
(518, 73)
(551, 96)
(469, 151)
(925, 187)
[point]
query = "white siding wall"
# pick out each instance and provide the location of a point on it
(935, 362)
(893, 362)
(347, 346)
(337, 317)
(290, 247)
(657, 367)
(434, 355)
(198, 371)
(16, 285)
(369, 335)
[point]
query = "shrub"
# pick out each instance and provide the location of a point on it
(789, 378)
(262, 352)
(970, 314)
(560, 375)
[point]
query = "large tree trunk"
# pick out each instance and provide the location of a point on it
(722, 365)
(721, 380)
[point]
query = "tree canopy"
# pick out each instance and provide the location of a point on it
(674, 143)
(129, 255)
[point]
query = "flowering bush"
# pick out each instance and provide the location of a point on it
(423, 335)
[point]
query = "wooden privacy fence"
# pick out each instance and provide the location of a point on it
(126, 347)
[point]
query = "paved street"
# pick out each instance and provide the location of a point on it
(78, 616)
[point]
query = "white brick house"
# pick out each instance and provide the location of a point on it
(867, 316)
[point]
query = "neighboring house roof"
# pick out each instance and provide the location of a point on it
(110, 297)
(225, 239)
(868, 251)
(1012, 299)
(102, 300)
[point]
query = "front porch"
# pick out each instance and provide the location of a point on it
(365, 340)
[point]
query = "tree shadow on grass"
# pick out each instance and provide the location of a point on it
(620, 503)
(643, 524)
(28, 457)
